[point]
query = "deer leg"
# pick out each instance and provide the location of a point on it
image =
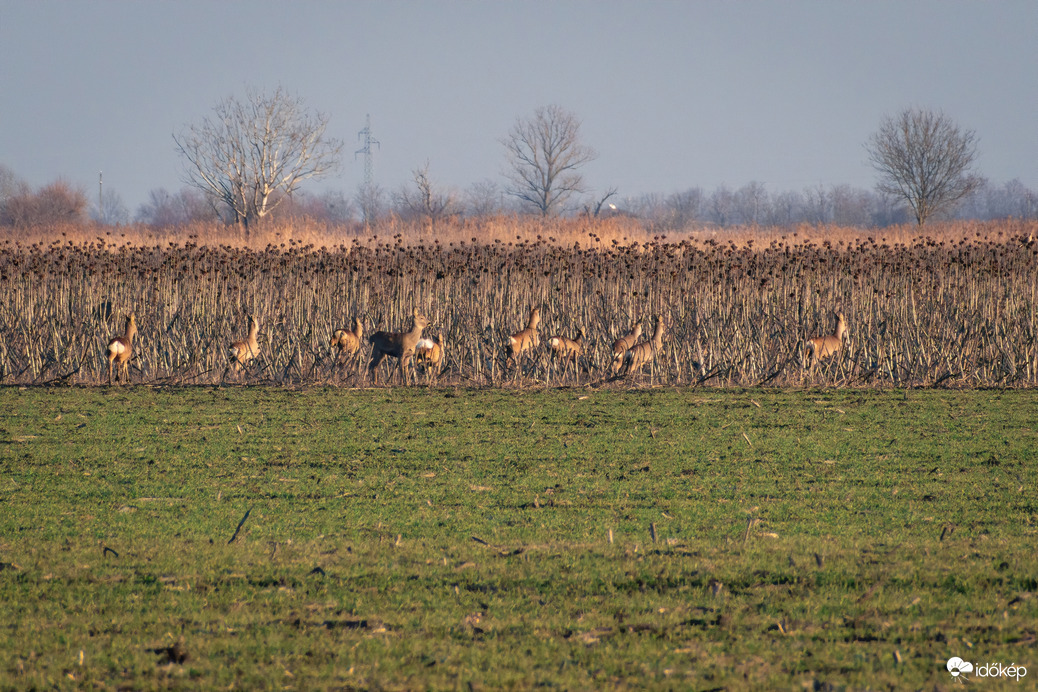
(376, 358)
(406, 364)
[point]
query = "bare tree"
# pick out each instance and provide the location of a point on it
(483, 199)
(722, 206)
(165, 210)
(786, 208)
(338, 208)
(329, 207)
(112, 210)
(252, 153)
(371, 199)
(55, 203)
(924, 158)
(684, 208)
(594, 207)
(10, 185)
(888, 210)
(818, 207)
(1012, 199)
(751, 202)
(544, 154)
(425, 200)
(650, 207)
(850, 205)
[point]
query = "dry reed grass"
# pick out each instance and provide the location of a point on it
(955, 307)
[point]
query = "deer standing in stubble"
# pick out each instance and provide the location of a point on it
(244, 351)
(345, 341)
(624, 344)
(120, 349)
(526, 340)
(400, 345)
(645, 352)
(822, 347)
(566, 350)
(429, 354)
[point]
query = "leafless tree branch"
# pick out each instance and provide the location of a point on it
(924, 158)
(251, 154)
(544, 155)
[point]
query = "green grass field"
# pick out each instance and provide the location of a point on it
(570, 539)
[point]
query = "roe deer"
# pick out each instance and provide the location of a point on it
(400, 345)
(567, 350)
(624, 344)
(346, 341)
(429, 354)
(120, 349)
(645, 352)
(526, 340)
(243, 352)
(821, 347)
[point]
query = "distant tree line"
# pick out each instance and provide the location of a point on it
(722, 207)
(422, 200)
(838, 205)
(248, 160)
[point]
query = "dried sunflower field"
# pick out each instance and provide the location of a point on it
(955, 308)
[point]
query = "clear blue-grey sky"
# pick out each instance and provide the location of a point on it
(671, 94)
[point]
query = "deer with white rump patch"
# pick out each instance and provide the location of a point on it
(244, 351)
(429, 355)
(120, 349)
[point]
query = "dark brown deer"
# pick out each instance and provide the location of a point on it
(400, 345)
